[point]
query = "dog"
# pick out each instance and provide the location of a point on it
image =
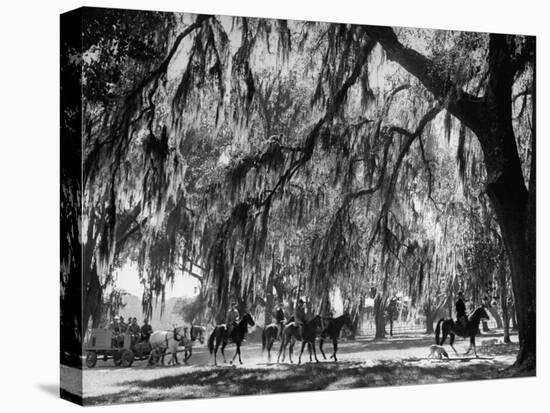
(490, 342)
(438, 351)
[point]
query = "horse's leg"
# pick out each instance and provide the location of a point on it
(291, 349)
(473, 344)
(236, 352)
(443, 337)
(321, 348)
(224, 343)
(239, 350)
(269, 345)
(309, 350)
(300, 358)
(216, 352)
(452, 340)
(281, 349)
(335, 348)
(314, 351)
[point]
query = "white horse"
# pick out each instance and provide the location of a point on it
(163, 341)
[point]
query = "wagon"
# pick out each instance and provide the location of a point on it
(101, 345)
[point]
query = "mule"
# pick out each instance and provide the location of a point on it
(450, 327)
(195, 333)
(332, 332)
(291, 333)
(220, 336)
(163, 341)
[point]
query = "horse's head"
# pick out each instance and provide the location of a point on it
(482, 313)
(247, 318)
(179, 334)
(197, 333)
(348, 322)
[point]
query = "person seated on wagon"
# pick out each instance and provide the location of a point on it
(232, 318)
(123, 325)
(117, 332)
(134, 330)
(146, 330)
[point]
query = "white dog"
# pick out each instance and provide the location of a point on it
(490, 342)
(438, 351)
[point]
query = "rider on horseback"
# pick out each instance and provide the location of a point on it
(233, 317)
(280, 318)
(460, 307)
(300, 315)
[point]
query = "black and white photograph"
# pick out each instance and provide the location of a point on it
(255, 205)
(285, 206)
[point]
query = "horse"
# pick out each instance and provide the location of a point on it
(220, 336)
(449, 327)
(271, 334)
(291, 333)
(161, 341)
(196, 333)
(332, 331)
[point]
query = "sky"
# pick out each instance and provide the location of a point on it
(128, 280)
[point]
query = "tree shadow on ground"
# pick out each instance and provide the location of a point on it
(225, 381)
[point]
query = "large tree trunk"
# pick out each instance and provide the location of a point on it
(269, 300)
(504, 306)
(513, 204)
(379, 317)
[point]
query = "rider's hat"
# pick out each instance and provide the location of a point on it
(300, 300)
(460, 292)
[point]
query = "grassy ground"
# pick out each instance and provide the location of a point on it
(362, 363)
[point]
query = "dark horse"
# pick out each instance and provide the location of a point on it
(269, 336)
(220, 336)
(291, 333)
(471, 328)
(332, 332)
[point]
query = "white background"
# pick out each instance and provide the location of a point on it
(29, 235)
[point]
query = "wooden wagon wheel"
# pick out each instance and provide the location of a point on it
(91, 359)
(117, 358)
(127, 358)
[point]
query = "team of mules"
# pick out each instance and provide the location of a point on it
(163, 342)
(324, 328)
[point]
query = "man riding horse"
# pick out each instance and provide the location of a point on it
(300, 316)
(460, 307)
(280, 319)
(233, 318)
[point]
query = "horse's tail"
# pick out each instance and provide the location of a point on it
(211, 341)
(437, 330)
(264, 338)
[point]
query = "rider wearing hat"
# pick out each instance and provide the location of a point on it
(280, 318)
(460, 307)
(232, 318)
(300, 315)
